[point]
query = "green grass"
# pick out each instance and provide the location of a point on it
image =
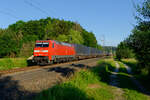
(131, 63)
(10, 63)
(142, 77)
(131, 91)
(84, 85)
(93, 84)
(134, 95)
(122, 67)
(108, 63)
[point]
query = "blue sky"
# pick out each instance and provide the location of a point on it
(112, 19)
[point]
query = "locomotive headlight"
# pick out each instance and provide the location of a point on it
(36, 50)
(44, 50)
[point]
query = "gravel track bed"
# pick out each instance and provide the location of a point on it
(26, 84)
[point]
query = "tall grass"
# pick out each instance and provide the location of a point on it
(131, 91)
(84, 85)
(111, 65)
(122, 67)
(93, 84)
(131, 63)
(141, 75)
(10, 63)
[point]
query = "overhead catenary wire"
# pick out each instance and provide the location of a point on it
(35, 2)
(9, 14)
(38, 3)
(30, 3)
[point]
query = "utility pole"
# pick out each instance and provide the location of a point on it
(103, 42)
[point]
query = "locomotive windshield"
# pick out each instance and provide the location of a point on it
(42, 44)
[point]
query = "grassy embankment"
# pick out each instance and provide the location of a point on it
(84, 85)
(142, 77)
(11, 63)
(131, 63)
(131, 91)
(93, 84)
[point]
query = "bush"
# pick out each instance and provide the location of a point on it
(123, 51)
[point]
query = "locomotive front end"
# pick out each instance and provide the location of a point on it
(41, 52)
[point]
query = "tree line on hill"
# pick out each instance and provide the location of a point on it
(19, 38)
(138, 43)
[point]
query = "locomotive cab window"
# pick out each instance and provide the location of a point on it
(44, 44)
(38, 45)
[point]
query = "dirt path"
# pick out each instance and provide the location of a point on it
(113, 76)
(115, 82)
(25, 85)
(135, 81)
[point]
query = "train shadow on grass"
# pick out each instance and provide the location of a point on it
(80, 65)
(66, 72)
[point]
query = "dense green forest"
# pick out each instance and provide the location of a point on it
(139, 40)
(19, 38)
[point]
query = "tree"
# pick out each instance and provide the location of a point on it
(62, 38)
(123, 51)
(139, 40)
(2, 31)
(10, 44)
(99, 47)
(75, 37)
(89, 39)
(143, 11)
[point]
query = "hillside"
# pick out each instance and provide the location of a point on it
(19, 38)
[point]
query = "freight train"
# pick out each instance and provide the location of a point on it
(52, 51)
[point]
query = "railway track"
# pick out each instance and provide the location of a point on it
(23, 84)
(11, 71)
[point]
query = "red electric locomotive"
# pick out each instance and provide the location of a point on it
(49, 51)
